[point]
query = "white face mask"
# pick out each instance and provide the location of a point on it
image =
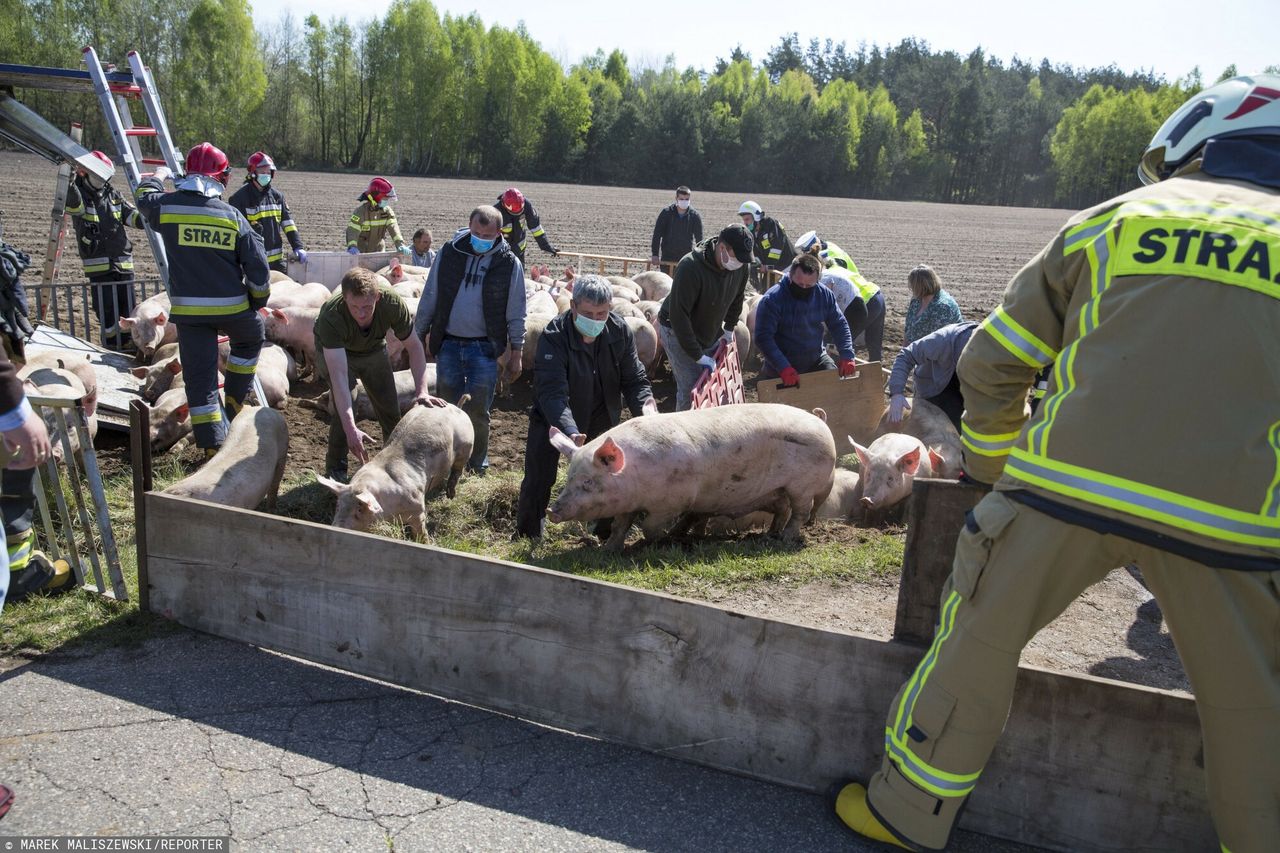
(729, 262)
(682, 203)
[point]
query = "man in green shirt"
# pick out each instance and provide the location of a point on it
(351, 332)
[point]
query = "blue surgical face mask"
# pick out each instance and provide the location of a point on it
(263, 180)
(482, 245)
(589, 328)
(384, 204)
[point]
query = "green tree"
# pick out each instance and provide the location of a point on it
(218, 80)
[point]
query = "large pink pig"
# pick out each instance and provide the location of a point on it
(729, 460)
(890, 466)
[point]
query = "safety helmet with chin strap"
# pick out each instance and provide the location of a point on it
(208, 160)
(751, 207)
(380, 189)
(513, 200)
(1242, 106)
(259, 159)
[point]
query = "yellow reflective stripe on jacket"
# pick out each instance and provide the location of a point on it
(243, 366)
(1145, 501)
(1077, 237)
(95, 265)
(1231, 253)
(987, 445)
(896, 738)
(1271, 506)
(537, 232)
(201, 306)
(1017, 340)
(212, 220)
(211, 414)
(20, 549)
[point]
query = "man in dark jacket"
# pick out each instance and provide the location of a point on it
(679, 226)
(100, 214)
(704, 306)
(471, 310)
(773, 248)
(586, 364)
(267, 211)
(790, 318)
(514, 207)
(218, 279)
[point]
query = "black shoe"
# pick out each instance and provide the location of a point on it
(338, 474)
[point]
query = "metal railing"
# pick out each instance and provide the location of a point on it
(760, 277)
(69, 307)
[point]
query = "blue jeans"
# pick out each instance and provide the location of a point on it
(470, 367)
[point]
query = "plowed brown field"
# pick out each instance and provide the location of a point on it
(976, 250)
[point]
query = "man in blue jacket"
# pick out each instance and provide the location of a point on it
(789, 323)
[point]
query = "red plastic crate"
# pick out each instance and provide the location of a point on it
(723, 385)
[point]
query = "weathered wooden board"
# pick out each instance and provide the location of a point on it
(1084, 763)
(853, 405)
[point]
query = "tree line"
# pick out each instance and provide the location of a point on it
(419, 93)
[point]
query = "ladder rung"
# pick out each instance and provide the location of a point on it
(132, 90)
(155, 161)
(139, 131)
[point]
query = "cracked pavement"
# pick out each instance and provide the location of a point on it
(194, 735)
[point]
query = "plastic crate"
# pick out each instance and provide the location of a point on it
(723, 385)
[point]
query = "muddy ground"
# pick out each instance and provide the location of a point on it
(1114, 630)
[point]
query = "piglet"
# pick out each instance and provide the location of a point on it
(889, 467)
(249, 465)
(931, 425)
(428, 449)
(149, 325)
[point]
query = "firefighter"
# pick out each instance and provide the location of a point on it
(267, 211)
(773, 248)
(218, 279)
(374, 219)
(100, 215)
(1093, 480)
(514, 206)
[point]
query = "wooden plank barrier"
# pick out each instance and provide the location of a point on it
(1084, 763)
(853, 404)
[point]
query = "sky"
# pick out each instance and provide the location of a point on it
(1168, 38)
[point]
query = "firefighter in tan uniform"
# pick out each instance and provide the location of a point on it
(374, 219)
(1100, 476)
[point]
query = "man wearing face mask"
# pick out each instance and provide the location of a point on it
(704, 306)
(679, 226)
(789, 323)
(471, 310)
(267, 211)
(773, 248)
(100, 214)
(586, 365)
(374, 219)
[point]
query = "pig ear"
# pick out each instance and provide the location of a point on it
(370, 502)
(864, 461)
(562, 442)
(821, 413)
(126, 322)
(161, 319)
(936, 461)
(280, 315)
(610, 455)
(181, 412)
(332, 485)
(140, 372)
(909, 462)
(175, 367)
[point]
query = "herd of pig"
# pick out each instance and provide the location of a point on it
(712, 470)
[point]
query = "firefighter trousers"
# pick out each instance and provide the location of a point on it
(1015, 570)
(198, 351)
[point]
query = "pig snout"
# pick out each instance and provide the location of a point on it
(552, 515)
(868, 503)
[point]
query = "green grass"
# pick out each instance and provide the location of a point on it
(480, 520)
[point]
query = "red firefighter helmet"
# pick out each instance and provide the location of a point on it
(379, 189)
(258, 159)
(513, 200)
(208, 160)
(104, 158)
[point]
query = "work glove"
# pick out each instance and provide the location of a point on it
(847, 367)
(727, 337)
(707, 362)
(162, 173)
(352, 250)
(301, 255)
(898, 406)
(545, 245)
(789, 376)
(404, 250)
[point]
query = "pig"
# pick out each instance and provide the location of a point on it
(277, 276)
(625, 309)
(170, 420)
(362, 407)
(428, 449)
(931, 425)
(742, 337)
(293, 327)
(159, 377)
(149, 325)
(77, 363)
(728, 460)
(247, 468)
(541, 303)
(282, 292)
(624, 287)
(845, 501)
(654, 285)
(889, 467)
(533, 327)
(163, 352)
(410, 288)
(647, 346)
(650, 310)
(310, 295)
(61, 384)
(275, 367)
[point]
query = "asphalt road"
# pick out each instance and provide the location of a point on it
(193, 735)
